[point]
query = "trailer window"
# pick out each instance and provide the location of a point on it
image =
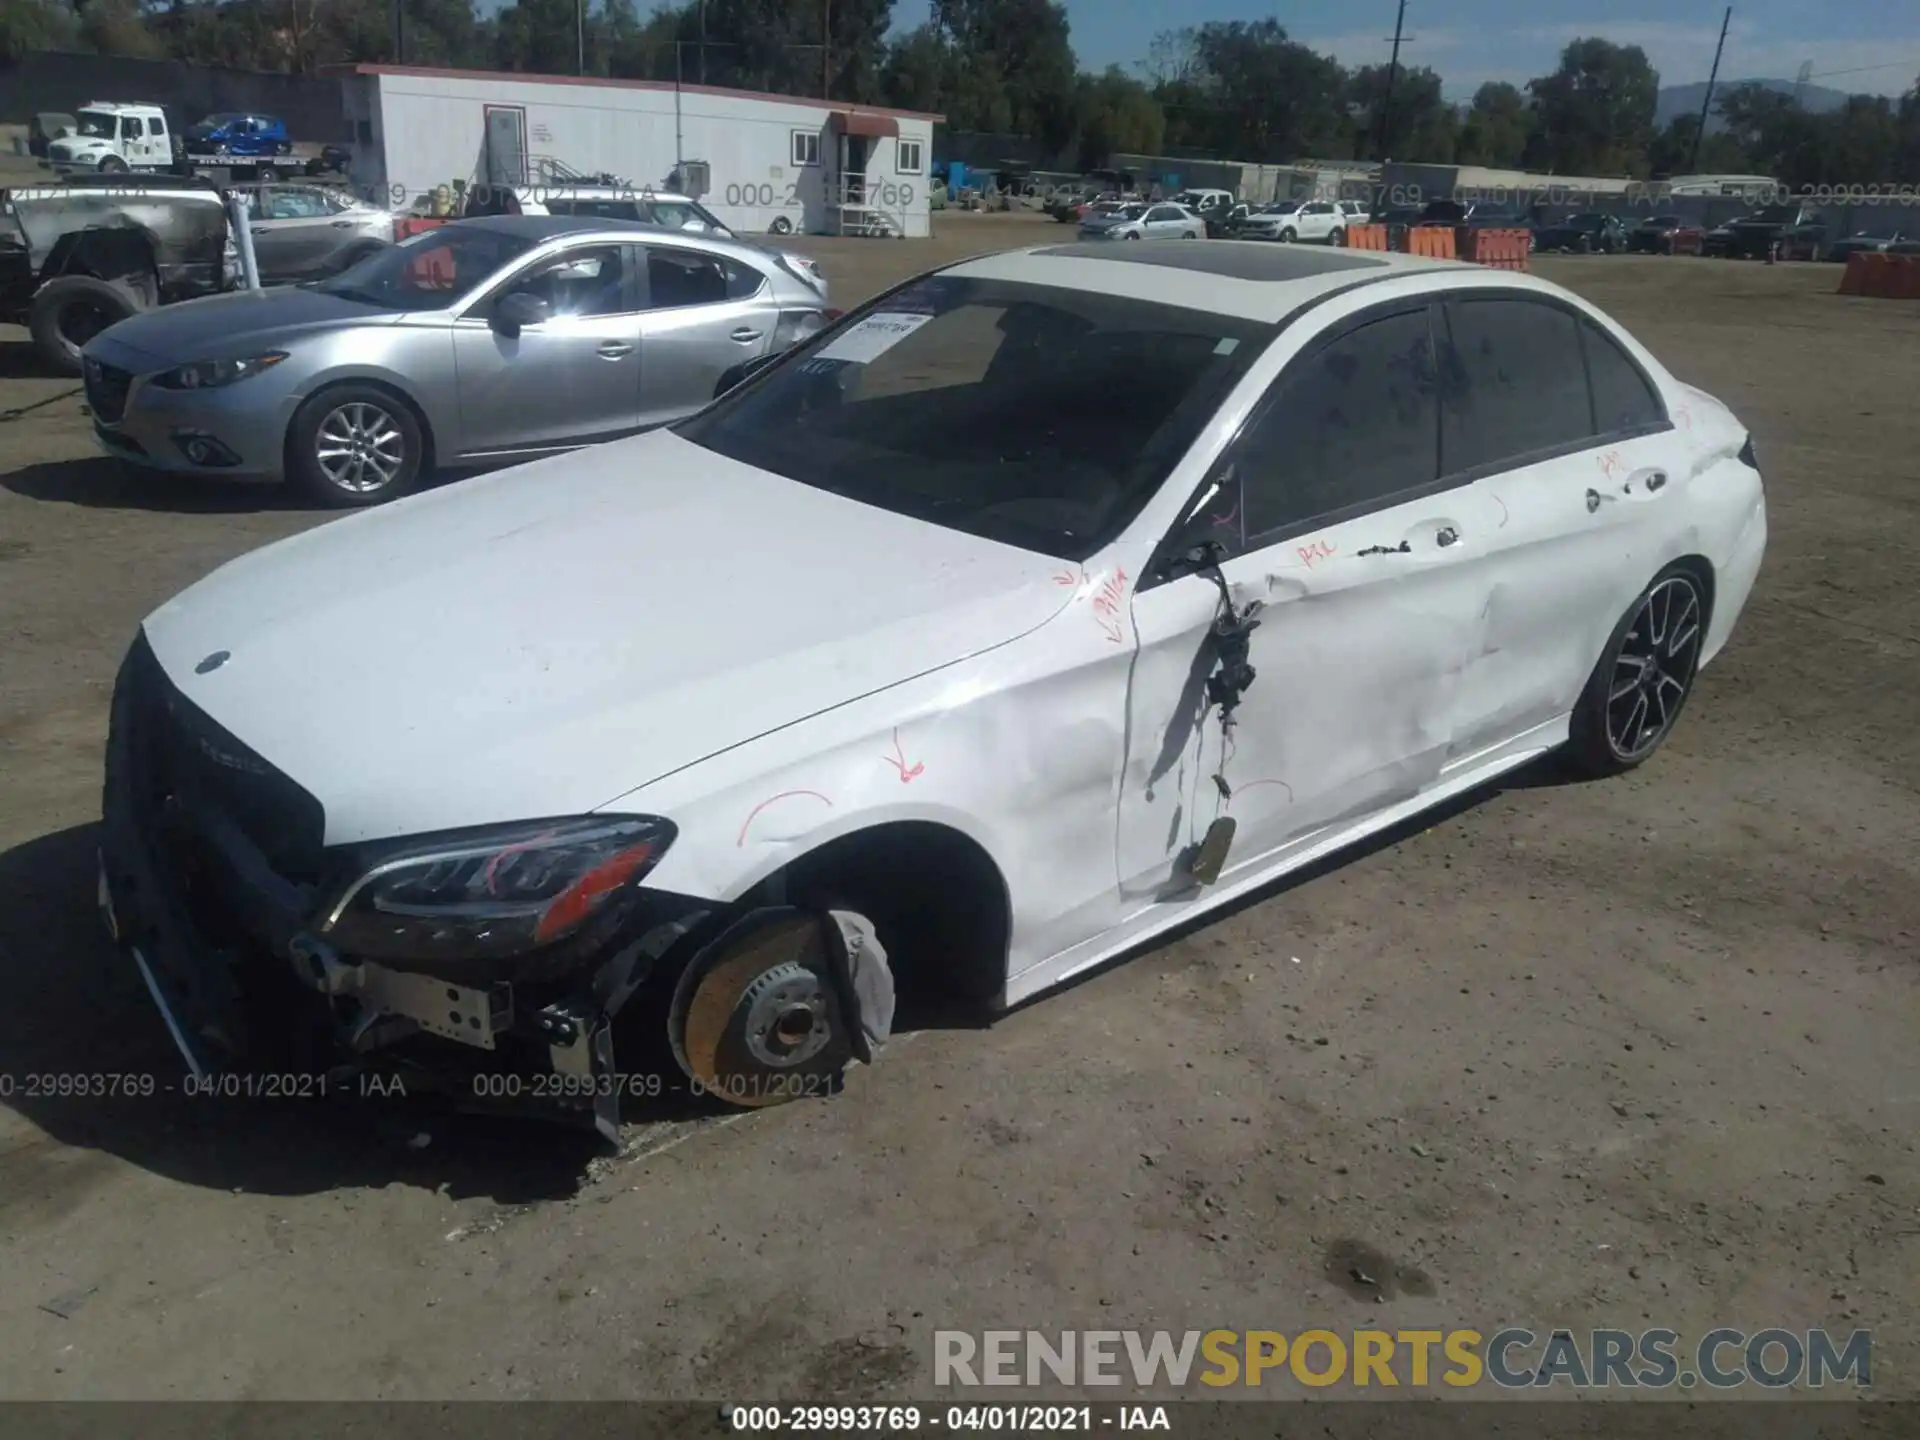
(806, 147)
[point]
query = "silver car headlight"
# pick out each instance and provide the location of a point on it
(209, 374)
(495, 893)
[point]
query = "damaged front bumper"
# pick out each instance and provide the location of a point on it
(209, 881)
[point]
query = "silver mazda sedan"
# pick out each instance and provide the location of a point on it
(474, 343)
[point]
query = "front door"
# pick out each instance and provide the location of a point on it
(295, 231)
(853, 168)
(704, 315)
(506, 139)
(574, 379)
(1365, 568)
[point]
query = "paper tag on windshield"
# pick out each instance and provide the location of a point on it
(872, 337)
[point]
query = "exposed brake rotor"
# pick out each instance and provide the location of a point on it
(756, 1020)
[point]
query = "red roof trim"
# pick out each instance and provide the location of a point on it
(526, 78)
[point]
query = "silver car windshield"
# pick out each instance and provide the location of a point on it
(429, 271)
(1035, 416)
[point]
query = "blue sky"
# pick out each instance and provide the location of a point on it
(1469, 41)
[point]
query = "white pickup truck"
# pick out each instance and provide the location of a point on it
(114, 138)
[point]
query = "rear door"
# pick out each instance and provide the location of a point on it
(1562, 433)
(703, 315)
(574, 379)
(297, 231)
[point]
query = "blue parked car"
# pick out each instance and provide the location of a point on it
(235, 134)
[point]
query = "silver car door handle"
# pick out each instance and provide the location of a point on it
(615, 350)
(1446, 535)
(744, 334)
(1594, 499)
(342, 224)
(1657, 480)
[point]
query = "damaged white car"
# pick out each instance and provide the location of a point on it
(1043, 604)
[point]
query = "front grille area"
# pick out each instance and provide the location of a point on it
(182, 761)
(106, 390)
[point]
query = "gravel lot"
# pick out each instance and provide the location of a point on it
(1633, 1053)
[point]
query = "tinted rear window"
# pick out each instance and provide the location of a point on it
(1515, 381)
(1623, 398)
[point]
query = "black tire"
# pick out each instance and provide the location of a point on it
(781, 226)
(1336, 236)
(113, 165)
(363, 415)
(70, 310)
(1289, 235)
(1613, 727)
(282, 147)
(265, 174)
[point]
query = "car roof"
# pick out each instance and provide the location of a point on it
(1244, 278)
(541, 228)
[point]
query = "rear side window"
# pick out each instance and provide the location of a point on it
(1347, 425)
(680, 278)
(1515, 382)
(1623, 398)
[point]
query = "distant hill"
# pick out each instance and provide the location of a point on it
(1685, 99)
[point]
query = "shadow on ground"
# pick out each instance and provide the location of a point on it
(101, 482)
(71, 1005)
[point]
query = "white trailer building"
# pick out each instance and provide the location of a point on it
(824, 166)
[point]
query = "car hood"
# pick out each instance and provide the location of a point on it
(542, 640)
(230, 324)
(70, 146)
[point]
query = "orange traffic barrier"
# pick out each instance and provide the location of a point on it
(1366, 237)
(1882, 277)
(1500, 249)
(1433, 241)
(413, 224)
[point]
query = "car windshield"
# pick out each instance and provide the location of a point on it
(428, 271)
(96, 123)
(1663, 221)
(684, 215)
(1036, 416)
(1588, 222)
(1776, 214)
(214, 122)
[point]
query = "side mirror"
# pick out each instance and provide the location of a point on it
(733, 377)
(515, 311)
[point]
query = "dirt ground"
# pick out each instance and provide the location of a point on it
(1634, 1053)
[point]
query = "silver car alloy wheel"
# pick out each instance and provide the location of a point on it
(360, 448)
(1654, 668)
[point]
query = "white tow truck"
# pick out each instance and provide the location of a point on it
(115, 139)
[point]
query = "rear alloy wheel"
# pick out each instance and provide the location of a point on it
(355, 445)
(1336, 236)
(1641, 684)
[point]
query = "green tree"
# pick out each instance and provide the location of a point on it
(1022, 49)
(1495, 130)
(1594, 115)
(34, 25)
(1671, 152)
(1252, 94)
(1117, 116)
(1416, 124)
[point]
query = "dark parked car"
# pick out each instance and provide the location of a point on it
(1589, 233)
(1654, 235)
(1798, 231)
(1867, 245)
(1470, 216)
(46, 127)
(232, 134)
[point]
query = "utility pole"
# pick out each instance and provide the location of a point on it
(399, 32)
(703, 42)
(826, 49)
(1706, 105)
(580, 29)
(1384, 127)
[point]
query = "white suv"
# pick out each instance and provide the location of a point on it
(114, 139)
(1318, 220)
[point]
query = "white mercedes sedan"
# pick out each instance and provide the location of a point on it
(1045, 603)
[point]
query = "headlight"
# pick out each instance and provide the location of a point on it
(207, 374)
(497, 893)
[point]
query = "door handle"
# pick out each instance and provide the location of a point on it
(257, 229)
(1594, 499)
(744, 334)
(342, 224)
(615, 350)
(1657, 480)
(1446, 535)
